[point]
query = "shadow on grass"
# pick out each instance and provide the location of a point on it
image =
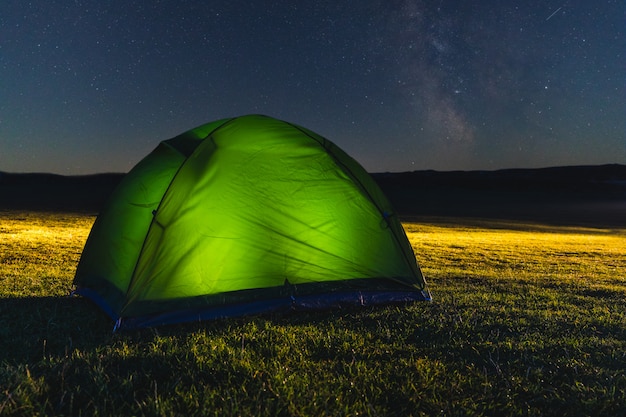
(37, 328)
(33, 328)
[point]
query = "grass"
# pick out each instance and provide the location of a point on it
(526, 320)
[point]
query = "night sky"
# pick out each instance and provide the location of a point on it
(401, 85)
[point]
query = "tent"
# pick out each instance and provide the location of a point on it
(241, 216)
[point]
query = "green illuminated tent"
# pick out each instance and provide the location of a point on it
(241, 216)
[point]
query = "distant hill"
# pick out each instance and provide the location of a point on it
(51, 192)
(586, 195)
(600, 180)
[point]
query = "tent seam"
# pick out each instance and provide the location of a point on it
(382, 212)
(154, 212)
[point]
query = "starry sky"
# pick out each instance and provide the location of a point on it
(89, 86)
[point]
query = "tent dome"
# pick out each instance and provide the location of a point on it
(240, 216)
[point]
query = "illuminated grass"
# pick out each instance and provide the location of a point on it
(39, 252)
(526, 320)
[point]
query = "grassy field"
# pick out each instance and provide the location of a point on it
(526, 320)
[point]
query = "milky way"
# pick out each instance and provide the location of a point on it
(399, 84)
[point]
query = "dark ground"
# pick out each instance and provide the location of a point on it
(583, 195)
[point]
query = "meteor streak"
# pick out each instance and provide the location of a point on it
(553, 13)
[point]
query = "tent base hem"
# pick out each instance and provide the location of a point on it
(280, 305)
(336, 300)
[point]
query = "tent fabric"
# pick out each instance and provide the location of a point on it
(241, 216)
